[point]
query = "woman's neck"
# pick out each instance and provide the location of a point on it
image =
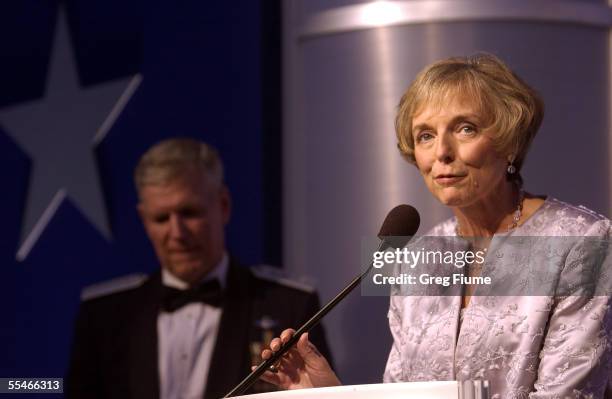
(490, 215)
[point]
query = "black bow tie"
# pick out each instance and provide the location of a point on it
(208, 292)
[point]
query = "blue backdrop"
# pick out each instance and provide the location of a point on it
(201, 68)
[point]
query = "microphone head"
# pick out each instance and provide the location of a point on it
(401, 221)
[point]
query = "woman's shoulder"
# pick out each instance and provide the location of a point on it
(559, 218)
(565, 209)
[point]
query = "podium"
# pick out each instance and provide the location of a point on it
(399, 390)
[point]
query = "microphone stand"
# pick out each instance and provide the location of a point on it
(314, 320)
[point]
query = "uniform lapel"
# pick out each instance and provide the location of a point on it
(230, 359)
(143, 359)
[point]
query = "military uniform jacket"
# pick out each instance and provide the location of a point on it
(115, 345)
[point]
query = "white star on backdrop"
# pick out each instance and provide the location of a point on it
(60, 133)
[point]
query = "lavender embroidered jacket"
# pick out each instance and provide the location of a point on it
(527, 346)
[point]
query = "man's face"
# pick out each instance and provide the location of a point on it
(185, 222)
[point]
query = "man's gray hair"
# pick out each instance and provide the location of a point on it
(169, 158)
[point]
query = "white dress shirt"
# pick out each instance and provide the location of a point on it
(186, 339)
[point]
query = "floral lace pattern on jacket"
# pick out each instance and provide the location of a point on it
(526, 346)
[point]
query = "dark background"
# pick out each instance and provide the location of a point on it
(211, 70)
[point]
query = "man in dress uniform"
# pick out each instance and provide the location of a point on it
(194, 328)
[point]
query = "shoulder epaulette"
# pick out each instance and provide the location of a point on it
(113, 286)
(277, 275)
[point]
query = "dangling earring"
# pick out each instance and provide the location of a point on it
(511, 168)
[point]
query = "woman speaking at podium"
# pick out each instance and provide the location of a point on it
(467, 124)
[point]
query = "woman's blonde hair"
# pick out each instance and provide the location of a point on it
(512, 110)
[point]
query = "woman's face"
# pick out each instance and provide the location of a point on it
(455, 155)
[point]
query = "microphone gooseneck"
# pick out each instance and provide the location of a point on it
(401, 223)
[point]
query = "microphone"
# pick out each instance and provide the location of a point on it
(401, 223)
